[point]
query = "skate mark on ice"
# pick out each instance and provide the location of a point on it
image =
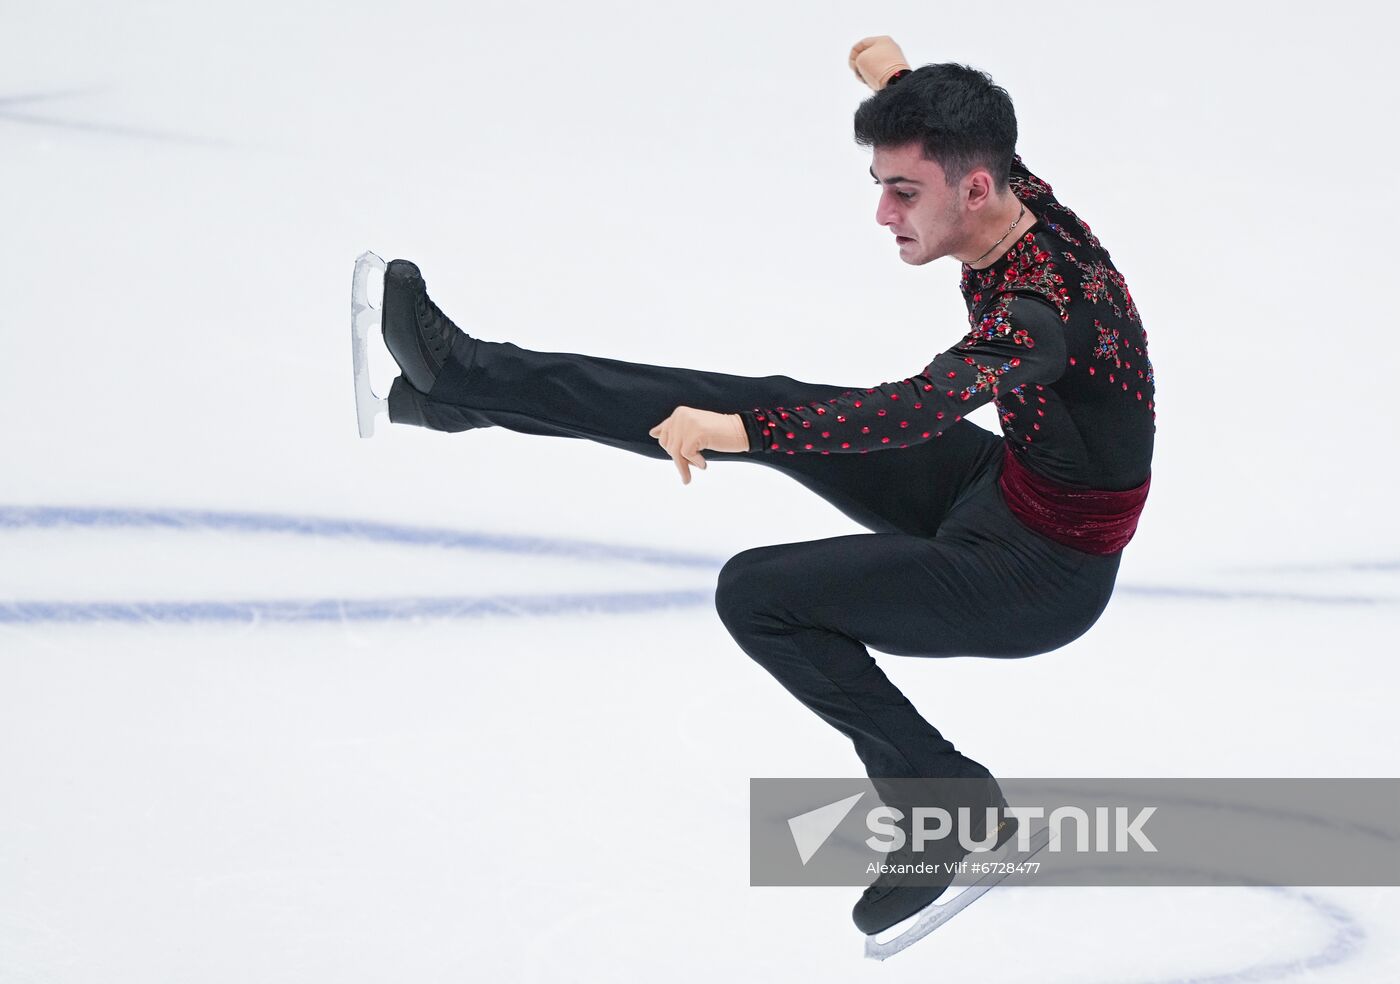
(342, 609)
(15, 99)
(1169, 593)
(1347, 937)
(345, 609)
(30, 517)
(19, 517)
(1321, 567)
(7, 113)
(1346, 942)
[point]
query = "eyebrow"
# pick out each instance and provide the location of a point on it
(894, 180)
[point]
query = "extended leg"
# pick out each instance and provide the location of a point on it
(564, 394)
(616, 403)
(453, 382)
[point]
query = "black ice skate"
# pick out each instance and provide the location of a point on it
(418, 335)
(891, 899)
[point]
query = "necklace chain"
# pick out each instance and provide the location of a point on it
(994, 245)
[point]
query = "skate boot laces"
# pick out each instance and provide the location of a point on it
(437, 328)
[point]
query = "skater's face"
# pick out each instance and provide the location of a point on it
(928, 218)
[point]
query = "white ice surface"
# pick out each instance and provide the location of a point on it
(301, 789)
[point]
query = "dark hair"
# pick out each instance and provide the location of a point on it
(957, 112)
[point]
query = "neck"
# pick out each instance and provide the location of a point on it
(993, 228)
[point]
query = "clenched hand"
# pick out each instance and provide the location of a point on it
(875, 59)
(689, 431)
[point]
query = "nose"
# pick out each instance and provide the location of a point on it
(885, 214)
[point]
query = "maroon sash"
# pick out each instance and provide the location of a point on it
(1091, 520)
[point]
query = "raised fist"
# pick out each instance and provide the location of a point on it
(875, 59)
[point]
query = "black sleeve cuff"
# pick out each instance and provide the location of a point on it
(754, 428)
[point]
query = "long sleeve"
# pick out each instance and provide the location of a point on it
(1017, 339)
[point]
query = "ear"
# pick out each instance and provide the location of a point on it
(979, 190)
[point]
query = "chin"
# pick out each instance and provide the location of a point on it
(917, 254)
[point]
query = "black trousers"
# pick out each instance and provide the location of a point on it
(946, 570)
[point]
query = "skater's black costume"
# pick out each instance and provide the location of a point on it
(980, 544)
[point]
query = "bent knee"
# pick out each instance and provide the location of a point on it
(739, 589)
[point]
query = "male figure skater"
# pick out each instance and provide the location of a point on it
(981, 544)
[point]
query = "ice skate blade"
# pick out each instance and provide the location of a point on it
(935, 914)
(364, 320)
